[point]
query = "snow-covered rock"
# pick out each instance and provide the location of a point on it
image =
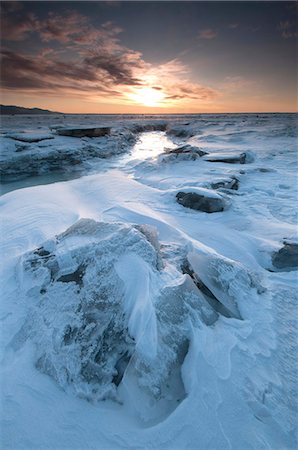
(286, 258)
(229, 158)
(84, 132)
(203, 200)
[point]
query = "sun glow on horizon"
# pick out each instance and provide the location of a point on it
(148, 96)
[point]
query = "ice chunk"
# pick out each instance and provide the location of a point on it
(227, 280)
(86, 320)
(100, 300)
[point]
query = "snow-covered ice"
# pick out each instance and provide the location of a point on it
(129, 320)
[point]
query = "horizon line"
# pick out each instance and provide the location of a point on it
(49, 112)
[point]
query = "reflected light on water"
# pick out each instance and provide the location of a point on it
(150, 145)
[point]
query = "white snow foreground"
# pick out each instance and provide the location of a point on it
(177, 334)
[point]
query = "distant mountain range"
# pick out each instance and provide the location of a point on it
(5, 109)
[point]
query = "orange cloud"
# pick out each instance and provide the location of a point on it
(91, 63)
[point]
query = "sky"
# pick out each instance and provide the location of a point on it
(150, 57)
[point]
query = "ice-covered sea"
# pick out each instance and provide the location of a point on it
(149, 282)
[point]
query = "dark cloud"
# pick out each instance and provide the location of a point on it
(16, 27)
(61, 28)
(116, 68)
(71, 27)
(21, 72)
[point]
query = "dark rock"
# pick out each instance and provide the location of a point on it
(286, 258)
(74, 277)
(84, 132)
(225, 158)
(42, 252)
(201, 202)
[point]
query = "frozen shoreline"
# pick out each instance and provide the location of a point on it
(235, 385)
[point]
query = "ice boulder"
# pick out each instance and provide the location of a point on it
(103, 308)
(90, 307)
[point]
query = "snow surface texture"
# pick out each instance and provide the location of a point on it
(131, 321)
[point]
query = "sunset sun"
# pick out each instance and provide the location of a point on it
(148, 96)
